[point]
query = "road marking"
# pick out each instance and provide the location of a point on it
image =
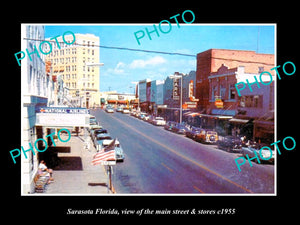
(185, 157)
(198, 189)
(167, 167)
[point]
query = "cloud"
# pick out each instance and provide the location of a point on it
(140, 63)
(119, 69)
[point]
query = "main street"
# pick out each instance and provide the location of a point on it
(159, 161)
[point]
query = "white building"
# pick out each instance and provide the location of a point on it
(36, 86)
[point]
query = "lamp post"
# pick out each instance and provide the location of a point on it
(176, 76)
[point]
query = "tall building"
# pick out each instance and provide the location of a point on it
(73, 62)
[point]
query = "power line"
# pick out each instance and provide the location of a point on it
(120, 48)
(151, 51)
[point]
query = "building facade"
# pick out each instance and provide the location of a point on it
(36, 88)
(72, 62)
(211, 60)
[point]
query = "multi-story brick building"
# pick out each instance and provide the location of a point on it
(211, 60)
(221, 108)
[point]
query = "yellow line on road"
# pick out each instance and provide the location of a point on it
(167, 167)
(198, 189)
(183, 156)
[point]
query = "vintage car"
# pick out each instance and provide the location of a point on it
(263, 154)
(207, 136)
(99, 138)
(193, 132)
(109, 109)
(230, 144)
(179, 128)
(169, 125)
(126, 111)
(158, 121)
(118, 149)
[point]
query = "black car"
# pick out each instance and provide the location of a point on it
(179, 129)
(193, 132)
(230, 144)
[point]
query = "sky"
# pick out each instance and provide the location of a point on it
(122, 67)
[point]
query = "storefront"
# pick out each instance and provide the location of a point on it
(263, 131)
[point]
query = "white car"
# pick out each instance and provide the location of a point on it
(109, 109)
(126, 110)
(159, 121)
(265, 153)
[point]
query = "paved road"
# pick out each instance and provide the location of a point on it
(159, 161)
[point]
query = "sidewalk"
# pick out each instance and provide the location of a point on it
(75, 174)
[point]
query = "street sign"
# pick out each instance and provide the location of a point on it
(176, 88)
(190, 105)
(108, 163)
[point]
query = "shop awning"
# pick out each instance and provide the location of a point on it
(122, 101)
(215, 116)
(234, 120)
(111, 101)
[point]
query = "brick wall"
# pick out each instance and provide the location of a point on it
(211, 60)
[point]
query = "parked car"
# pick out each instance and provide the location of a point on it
(93, 128)
(109, 109)
(146, 117)
(262, 154)
(99, 131)
(119, 109)
(179, 129)
(230, 144)
(126, 110)
(142, 115)
(118, 149)
(133, 112)
(193, 132)
(99, 140)
(207, 136)
(93, 120)
(158, 121)
(169, 125)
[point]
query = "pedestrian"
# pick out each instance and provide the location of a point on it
(44, 171)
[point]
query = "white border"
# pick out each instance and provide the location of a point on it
(173, 24)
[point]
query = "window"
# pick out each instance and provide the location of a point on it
(214, 93)
(260, 69)
(251, 101)
(223, 92)
(231, 91)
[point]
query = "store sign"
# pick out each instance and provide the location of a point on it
(190, 105)
(65, 110)
(219, 103)
(191, 90)
(62, 120)
(176, 88)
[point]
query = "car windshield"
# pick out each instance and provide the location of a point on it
(100, 131)
(211, 132)
(159, 118)
(104, 138)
